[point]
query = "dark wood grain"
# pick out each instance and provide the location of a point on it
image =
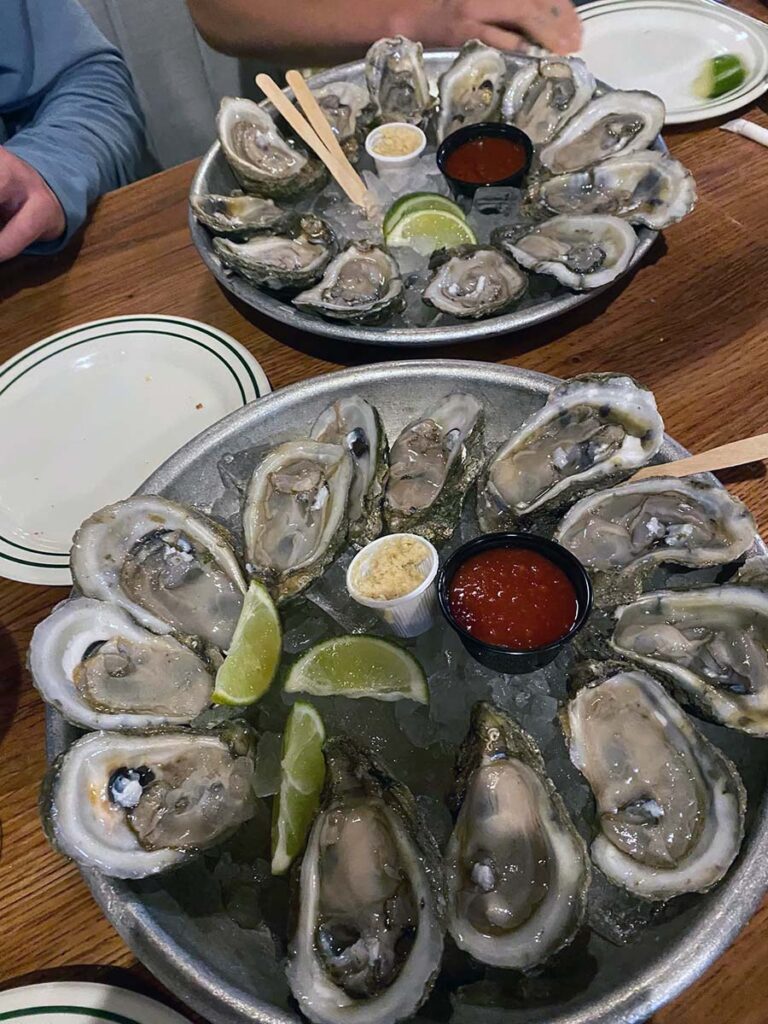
(692, 324)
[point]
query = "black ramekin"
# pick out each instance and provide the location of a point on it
(508, 659)
(483, 130)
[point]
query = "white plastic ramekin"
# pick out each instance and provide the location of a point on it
(395, 163)
(411, 614)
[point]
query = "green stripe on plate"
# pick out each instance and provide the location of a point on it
(37, 1011)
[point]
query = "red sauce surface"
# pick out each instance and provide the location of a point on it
(485, 159)
(513, 597)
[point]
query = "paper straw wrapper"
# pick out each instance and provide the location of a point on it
(748, 129)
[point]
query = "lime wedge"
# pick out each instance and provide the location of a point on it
(720, 75)
(418, 201)
(427, 230)
(254, 654)
(359, 666)
(302, 775)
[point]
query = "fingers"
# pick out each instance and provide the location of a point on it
(26, 226)
(501, 38)
(553, 24)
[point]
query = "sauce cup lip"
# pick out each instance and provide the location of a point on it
(483, 129)
(395, 161)
(573, 568)
(392, 602)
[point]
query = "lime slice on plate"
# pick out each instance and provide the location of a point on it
(359, 666)
(719, 76)
(254, 654)
(427, 230)
(302, 768)
(418, 201)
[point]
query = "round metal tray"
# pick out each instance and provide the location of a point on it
(214, 175)
(174, 924)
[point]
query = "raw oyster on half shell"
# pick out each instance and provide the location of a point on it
(167, 565)
(432, 465)
(293, 259)
(517, 871)
(472, 282)
(237, 215)
(132, 805)
(470, 90)
(542, 95)
(369, 935)
(361, 285)
(670, 805)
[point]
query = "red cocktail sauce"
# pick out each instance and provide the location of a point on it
(486, 159)
(513, 597)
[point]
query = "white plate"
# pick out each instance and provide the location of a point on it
(72, 1002)
(87, 414)
(662, 45)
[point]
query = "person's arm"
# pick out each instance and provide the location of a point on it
(310, 33)
(78, 135)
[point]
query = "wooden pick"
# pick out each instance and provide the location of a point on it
(737, 453)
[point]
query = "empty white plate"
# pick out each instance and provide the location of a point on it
(662, 45)
(88, 414)
(74, 1002)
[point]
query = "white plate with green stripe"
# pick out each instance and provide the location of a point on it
(72, 1002)
(87, 414)
(663, 45)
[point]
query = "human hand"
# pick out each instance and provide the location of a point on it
(505, 24)
(29, 210)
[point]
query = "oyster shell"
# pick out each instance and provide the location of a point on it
(687, 521)
(295, 514)
(349, 111)
(580, 252)
(517, 871)
(644, 188)
(397, 81)
(543, 94)
(361, 285)
(617, 122)
(432, 465)
(237, 215)
(590, 427)
(295, 258)
(260, 157)
(670, 805)
(135, 805)
(369, 935)
(101, 670)
(356, 424)
(470, 90)
(471, 282)
(710, 644)
(167, 565)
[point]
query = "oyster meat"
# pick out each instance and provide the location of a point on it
(259, 156)
(432, 465)
(644, 188)
(349, 111)
(134, 805)
(295, 514)
(101, 670)
(369, 936)
(295, 258)
(237, 215)
(472, 282)
(169, 566)
(590, 427)
(397, 81)
(617, 122)
(580, 252)
(361, 285)
(517, 871)
(356, 424)
(543, 94)
(470, 90)
(670, 805)
(710, 644)
(687, 521)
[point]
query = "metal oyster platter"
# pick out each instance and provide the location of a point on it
(544, 299)
(213, 930)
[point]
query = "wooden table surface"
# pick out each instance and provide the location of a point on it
(692, 324)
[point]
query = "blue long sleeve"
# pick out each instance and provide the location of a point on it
(67, 104)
